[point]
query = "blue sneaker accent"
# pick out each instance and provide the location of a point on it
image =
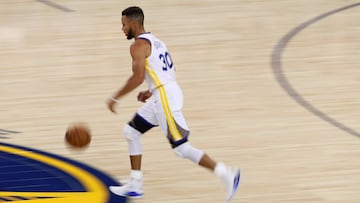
(134, 194)
(235, 185)
(236, 181)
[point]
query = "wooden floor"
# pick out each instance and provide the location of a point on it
(271, 87)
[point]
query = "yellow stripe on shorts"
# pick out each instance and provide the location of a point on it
(175, 134)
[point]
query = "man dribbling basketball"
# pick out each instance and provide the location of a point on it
(151, 61)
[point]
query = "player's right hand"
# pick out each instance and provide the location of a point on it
(111, 105)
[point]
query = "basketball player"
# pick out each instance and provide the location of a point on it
(163, 102)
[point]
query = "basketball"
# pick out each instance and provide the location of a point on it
(78, 136)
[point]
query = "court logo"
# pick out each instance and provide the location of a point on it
(33, 176)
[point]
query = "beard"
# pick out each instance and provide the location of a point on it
(130, 34)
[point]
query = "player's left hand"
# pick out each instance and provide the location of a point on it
(144, 95)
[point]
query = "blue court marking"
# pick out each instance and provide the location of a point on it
(22, 174)
(47, 178)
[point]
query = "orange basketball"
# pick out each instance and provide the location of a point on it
(78, 136)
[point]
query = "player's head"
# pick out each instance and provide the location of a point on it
(132, 19)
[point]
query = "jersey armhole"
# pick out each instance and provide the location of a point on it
(146, 39)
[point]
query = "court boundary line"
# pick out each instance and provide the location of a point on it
(55, 5)
(277, 68)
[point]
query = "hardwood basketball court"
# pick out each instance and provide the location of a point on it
(270, 87)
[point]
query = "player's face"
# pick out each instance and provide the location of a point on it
(126, 27)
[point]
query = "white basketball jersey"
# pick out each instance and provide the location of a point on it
(159, 65)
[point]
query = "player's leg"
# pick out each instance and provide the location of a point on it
(182, 148)
(132, 132)
(143, 121)
(173, 124)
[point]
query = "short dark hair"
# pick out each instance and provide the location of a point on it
(134, 13)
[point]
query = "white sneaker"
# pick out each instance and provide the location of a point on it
(132, 189)
(125, 191)
(230, 178)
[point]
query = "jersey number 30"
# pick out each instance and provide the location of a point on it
(166, 60)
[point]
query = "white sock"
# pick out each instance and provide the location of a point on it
(136, 174)
(220, 169)
(135, 182)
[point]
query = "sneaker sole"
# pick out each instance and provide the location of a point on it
(132, 195)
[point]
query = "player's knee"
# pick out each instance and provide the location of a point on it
(133, 139)
(187, 151)
(131, 133)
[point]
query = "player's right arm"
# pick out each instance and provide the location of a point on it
(139, 51)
